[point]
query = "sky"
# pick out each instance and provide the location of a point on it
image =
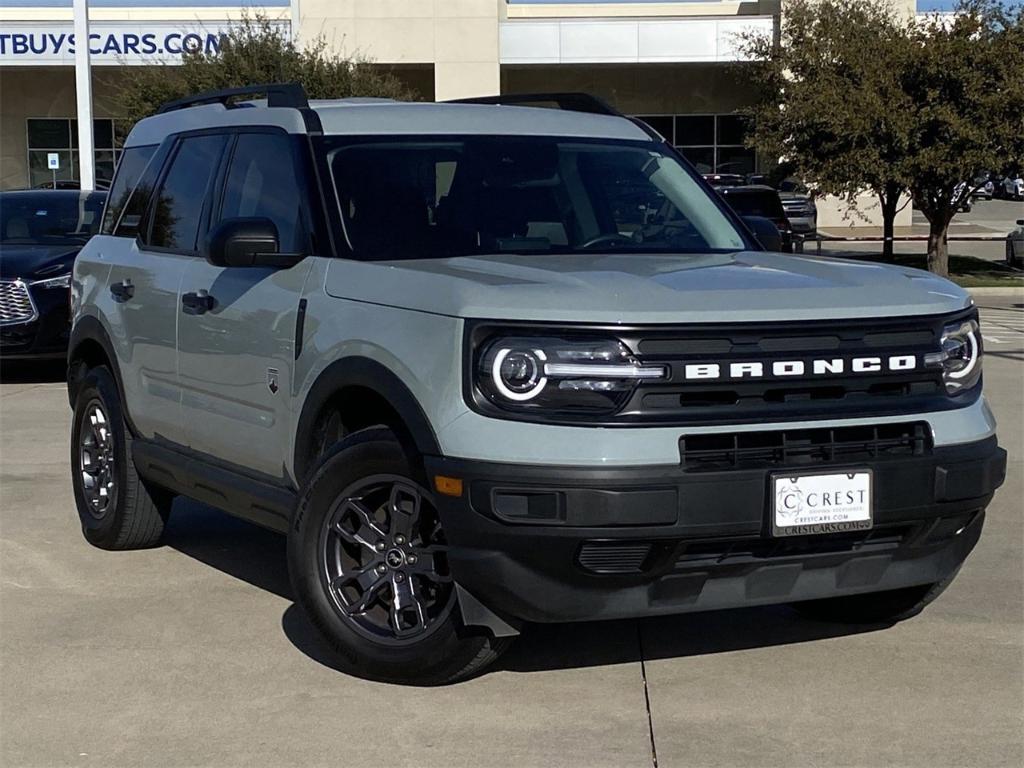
(946, 5)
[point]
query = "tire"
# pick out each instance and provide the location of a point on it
(875, 607)
(117, 509)
(350, 566)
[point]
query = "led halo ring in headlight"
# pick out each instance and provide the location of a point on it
(518, 374)
(583, 375)
(960, 356)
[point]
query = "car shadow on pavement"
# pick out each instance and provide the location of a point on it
(32, 371)
(239, 549)
(257, 556)
(561, 646)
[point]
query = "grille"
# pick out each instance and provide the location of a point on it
(797, 447)
(645, 556)
(15, 302)
(779, 396)
(797, 207)
(610, 557)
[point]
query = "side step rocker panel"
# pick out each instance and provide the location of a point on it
(259, 502)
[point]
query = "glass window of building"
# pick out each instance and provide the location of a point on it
(60, 135)
(713, 143)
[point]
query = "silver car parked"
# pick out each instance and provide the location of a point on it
(1015, 246)
(487, 364)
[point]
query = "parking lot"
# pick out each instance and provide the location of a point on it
(990, 220)
(194, 654)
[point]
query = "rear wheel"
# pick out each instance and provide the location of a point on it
(117, 509)
(368, 562)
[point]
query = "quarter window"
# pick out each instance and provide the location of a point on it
(179, 201)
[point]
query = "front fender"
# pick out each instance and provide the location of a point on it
(360, 372)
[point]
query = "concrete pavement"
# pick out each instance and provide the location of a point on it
(193, 653)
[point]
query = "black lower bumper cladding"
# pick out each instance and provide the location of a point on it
(551, 544)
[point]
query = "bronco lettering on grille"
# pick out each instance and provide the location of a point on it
(785, 368)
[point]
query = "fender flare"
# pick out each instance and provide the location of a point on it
(361, 372)
(89, 328)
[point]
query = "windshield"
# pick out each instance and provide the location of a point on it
(49, 217)
(419, 199)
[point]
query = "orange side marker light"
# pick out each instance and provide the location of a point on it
(449, 486)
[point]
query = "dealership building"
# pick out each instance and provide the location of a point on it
(672, 62)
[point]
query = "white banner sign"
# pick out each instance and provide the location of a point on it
(118, 43)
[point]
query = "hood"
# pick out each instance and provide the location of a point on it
(629, 288)
(28, 261)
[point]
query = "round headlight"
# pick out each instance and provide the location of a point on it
(960, 356)
(518, 374)
(961, 353)
(584, 374)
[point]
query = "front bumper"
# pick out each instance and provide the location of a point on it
(551, 544)
(803, 225)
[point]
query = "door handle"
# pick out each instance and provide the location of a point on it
(122, 291)
(197, 303)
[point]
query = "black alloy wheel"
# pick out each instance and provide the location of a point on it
(370, 565)
(383, 560)
(96, 459)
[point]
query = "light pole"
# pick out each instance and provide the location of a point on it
(83, 92)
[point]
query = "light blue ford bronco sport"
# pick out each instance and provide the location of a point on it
(487, 363)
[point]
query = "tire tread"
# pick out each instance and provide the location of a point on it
(368, 449)
(141, 510)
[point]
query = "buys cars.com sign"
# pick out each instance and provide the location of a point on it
(116, 43)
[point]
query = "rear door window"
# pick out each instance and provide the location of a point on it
(178, 207)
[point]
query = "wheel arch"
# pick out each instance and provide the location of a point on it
(90, 344)
(364, 393)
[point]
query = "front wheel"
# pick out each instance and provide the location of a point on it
(368, 563)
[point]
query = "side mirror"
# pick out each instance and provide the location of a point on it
(765, 231)
(247, 242)
(1020, 222)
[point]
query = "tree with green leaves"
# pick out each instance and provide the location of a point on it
(964, 86)
(857, 97)
(832, 103)
(256, 50)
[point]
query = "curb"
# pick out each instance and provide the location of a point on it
(1008, 292)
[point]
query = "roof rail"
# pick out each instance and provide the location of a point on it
(278, 95)
(571, 102)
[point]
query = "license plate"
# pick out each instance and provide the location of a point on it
(821, 503)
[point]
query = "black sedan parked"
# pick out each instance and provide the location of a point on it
(41, 232)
